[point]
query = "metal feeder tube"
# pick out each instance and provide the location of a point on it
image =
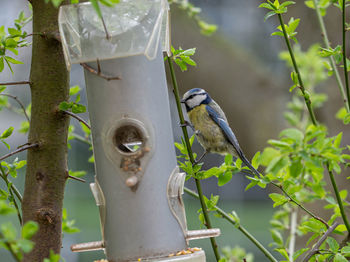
(138, 187)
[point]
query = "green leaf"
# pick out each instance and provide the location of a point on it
(228, 159)
(2, 88)
(207, 29)
(77, 173)
(346, 251)
(277, 237)
(12, 60)
(53, 257)
(224, 178)
(277, 33)
(78, 108)
(313, 225)
(299, 252)
(283, 252)
(341, 228)
(64, 106)
(1, 64)
(278, 143)
(266, 5)
(287, 3)
(29, 229)
(256, 160)
(7, 133)
(97, 8)
(278, 199)
(294, 134)
(9, 231)
(268, 155)
(277, 164)
(74, 90)
(5, 209)
(268, 15)
(337, 140)
(238, 163)
(333, 244)
(235, 217)
(25, 244)
(295, 168)
(339, 258)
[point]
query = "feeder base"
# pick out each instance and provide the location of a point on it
(198, 256)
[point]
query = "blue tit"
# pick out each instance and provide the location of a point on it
(211, 127)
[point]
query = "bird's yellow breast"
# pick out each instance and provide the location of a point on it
(209, 134)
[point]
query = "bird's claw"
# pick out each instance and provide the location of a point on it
(186, 123)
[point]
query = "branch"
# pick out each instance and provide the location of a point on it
(315, 248)
(15, 83)
(331, 58)
(190, 155)
(292, 199)
(339, 200)
(81, 139)
(19, 150)
(239, 227)
(301, 85)
(344, 54)
(77, 118)
(20, 103)
(98, 71)
(300, 205)
(293, 229)
(12, 189)
(77, 179)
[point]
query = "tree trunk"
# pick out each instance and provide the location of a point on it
(46, 165)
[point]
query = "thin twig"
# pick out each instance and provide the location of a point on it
(315, 248)
(12, 188)
(292, 199)
(344, 53)
(190, 155)
(77, 179)
(300, 205)
(238, 226)
(331, 58)
(81, 139)
(19, 150)
(77, 118)
(98, 72)
(301, 85)
(339, 200)
(15, 83)
(293, 229)
(19, 102)
(17, 208)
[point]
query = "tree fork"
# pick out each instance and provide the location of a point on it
(46, 166)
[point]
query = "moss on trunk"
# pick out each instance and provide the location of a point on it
(47, 165)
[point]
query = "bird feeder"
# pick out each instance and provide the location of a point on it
(138, 186)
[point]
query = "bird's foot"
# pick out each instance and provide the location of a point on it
(186, 123)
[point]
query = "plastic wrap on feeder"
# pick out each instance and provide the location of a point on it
(131, 27)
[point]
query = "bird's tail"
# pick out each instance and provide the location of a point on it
(249, 165)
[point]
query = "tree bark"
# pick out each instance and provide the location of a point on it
(46, 165)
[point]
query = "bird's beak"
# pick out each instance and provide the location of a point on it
(183, 101)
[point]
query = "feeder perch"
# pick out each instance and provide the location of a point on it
(138, 187)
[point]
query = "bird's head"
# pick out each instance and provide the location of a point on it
(195, 97)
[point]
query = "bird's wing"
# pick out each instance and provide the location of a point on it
(222, 123)
(225, 128)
